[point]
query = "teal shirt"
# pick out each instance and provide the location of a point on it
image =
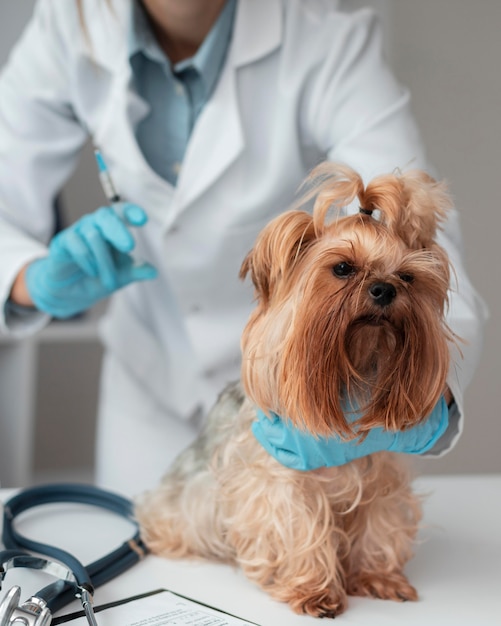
(176, 94)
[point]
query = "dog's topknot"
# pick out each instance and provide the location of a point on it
(412, 204)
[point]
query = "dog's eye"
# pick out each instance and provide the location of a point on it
(343, 269)
(407, 278)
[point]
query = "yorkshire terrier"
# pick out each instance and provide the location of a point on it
(349, 307)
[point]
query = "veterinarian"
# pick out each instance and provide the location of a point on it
(209, 114)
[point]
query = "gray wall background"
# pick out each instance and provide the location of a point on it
(448, 53)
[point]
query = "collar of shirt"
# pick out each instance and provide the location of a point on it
(209, 58)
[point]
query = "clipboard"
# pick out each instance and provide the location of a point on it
(160, 607)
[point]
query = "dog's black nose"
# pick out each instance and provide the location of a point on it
(382, 293)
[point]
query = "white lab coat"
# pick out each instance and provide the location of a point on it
(302, 82)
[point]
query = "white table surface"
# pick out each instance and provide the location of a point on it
(456, 568)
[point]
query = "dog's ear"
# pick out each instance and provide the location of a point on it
(413, 205)
(278, 247)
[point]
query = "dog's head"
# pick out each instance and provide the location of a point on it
(351, 308)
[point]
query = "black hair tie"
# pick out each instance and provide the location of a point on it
(365, 211)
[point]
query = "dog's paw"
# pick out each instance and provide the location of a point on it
(326, 604)
(393, 586)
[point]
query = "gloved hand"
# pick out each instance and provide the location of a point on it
(88, 261)
(301, 450)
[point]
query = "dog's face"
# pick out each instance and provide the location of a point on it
(351, 309)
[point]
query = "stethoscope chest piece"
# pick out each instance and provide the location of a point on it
(31, 613)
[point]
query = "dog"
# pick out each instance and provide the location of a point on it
(348, 307)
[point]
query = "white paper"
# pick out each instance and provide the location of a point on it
(162, 609)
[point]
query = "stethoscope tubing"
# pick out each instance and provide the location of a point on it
(60, 593)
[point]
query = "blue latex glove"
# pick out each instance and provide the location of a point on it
(301, 450)
(88, 261)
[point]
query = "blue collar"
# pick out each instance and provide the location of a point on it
(207, 61)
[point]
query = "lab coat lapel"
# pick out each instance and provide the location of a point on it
(218, 137)
(215, 143)
(122, 110)
(115, 137)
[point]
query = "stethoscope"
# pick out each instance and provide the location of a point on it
(74, 580)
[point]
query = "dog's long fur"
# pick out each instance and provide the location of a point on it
(319, 336)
